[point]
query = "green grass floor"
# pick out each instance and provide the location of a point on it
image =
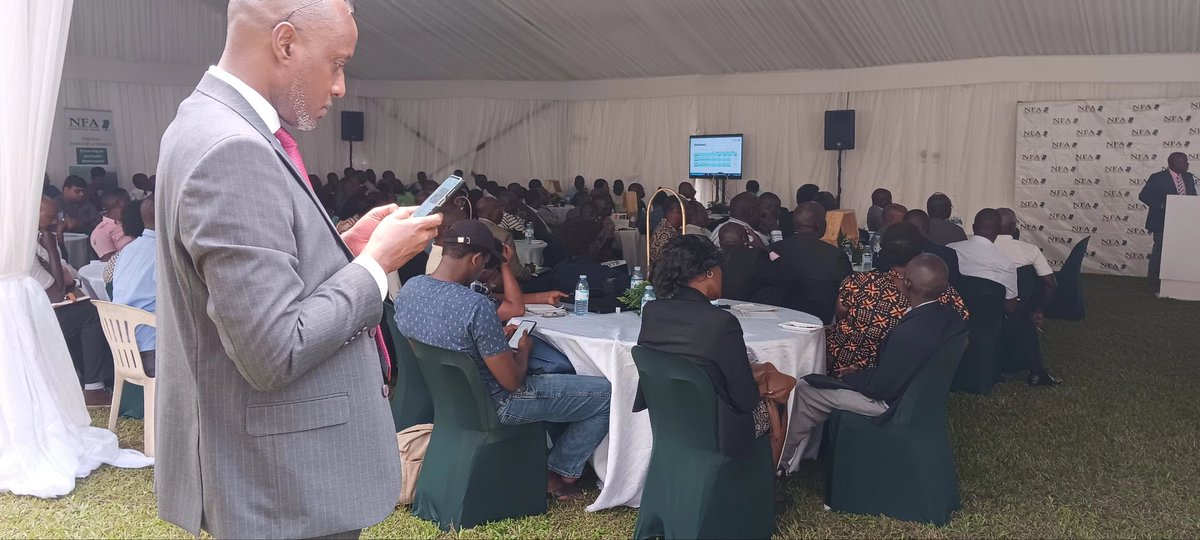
(1114, 452)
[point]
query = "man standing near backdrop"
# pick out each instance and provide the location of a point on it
(1176, 180)
(273, 419)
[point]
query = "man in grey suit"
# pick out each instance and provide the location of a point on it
(273, 418)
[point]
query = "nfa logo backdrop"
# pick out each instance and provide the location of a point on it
(1080, 167)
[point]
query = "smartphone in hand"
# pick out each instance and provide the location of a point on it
(525, 327)
(439, 197)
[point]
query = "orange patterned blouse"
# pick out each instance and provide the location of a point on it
(876, 305)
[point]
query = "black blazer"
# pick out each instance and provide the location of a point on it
(812, 270)
(1154, 194)
(744, 273)
(690, 327)
(949, 256)
(906, 348)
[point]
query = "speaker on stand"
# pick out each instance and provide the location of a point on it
(839, 135)
(352, 130)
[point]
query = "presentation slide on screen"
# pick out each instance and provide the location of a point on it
(716, 155)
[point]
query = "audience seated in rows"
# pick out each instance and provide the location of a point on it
(79, 320)
(685, 280)
(809, 267)
(581, 259)
(880, 198)
(79, 214)
(491, 212)
(744, 210)
(942, 231)
(979, 257)
(871, 303)
(440, 310)
(108, 238)
(134, 280)
(917, 334)
(776, 217)
(1024, 336)
(744, 268)
(919, 219)
(669, 227)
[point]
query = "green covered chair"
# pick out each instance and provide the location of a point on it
(980, 366)
(900, 465)
(1018, 328)
(692, 489)
(411, 402)
(476, 470)
(1068, 302)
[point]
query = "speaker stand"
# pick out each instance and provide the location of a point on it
(720, 186)
(351, 143)
(839, 179)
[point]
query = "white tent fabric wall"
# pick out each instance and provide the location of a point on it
(47, 440)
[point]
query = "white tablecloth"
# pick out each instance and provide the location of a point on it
(77, 249)
(633, 248)
(92, 277)
(602, 345)
(530, 252)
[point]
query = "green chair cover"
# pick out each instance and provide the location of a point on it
(904, 467)
(476, 470)
(1068, 296)
(980, 366)
(1018, 328)
(692, 489)
(411, 403)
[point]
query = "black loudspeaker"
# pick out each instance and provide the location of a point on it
(839, 130)
(352, 126)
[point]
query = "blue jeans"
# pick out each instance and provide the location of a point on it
(544, 358)
(578, 400)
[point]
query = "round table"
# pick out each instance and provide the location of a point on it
(633, 247)
(602, 345)
(77, 249)
(530, 251)
(92, 277)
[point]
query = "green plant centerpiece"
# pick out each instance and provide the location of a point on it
(632, 299)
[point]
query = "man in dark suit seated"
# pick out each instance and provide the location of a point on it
(1176, 180)
(811, 268)
(919, 219)
(903, 353)
(744, 270)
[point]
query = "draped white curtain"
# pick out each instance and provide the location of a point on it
(45, 438)
(957, 139)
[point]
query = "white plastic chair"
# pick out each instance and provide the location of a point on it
(119, 323)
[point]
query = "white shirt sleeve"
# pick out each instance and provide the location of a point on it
(1040, 264)
(376, 272)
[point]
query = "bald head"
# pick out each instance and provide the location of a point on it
(292, 52)
(809, 219)
(893, 213)
(987, 224)
(925, 279)
(1008, 221)
(490, 209)
(733, 236)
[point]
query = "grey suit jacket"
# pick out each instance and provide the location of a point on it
(271, 419)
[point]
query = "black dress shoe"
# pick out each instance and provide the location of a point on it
(1043, 379)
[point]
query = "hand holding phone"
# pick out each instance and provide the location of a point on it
(525, 327)
(440, 196)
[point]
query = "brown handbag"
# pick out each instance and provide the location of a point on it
(775, 388)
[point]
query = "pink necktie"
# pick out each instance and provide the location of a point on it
(293, 152)
(1179, 184)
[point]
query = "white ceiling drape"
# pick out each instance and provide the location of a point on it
(589, 40)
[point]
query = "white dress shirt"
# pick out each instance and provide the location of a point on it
(979, 257)
(270, 117)
(1023, 254)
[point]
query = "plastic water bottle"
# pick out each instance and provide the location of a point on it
(529, 231)
(868, 258)
(636, 278)
(875, 243)
(849, 253)
(581, 296)
(647, 296)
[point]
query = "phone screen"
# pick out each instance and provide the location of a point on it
(524, 328)
(439, 197)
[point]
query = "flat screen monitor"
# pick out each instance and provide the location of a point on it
(715, 155)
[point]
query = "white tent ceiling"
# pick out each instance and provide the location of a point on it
(555, 40)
